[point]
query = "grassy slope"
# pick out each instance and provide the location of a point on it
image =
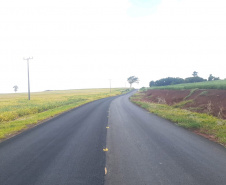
(203, 123)
(218, 84)
(17, 113)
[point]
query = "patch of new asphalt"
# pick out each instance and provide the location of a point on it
(67, 150)
(147, 150)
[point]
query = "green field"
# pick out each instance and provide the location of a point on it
(218, 84)
(17, 113)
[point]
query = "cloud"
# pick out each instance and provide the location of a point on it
(142, 7)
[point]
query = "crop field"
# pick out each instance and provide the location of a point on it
(218, 84)
(18, 113)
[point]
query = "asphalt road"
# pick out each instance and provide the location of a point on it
(143, 149)
(147, 150)
(67, 150)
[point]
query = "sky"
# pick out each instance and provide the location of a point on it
(83, 44)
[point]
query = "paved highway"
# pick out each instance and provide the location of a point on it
(142, 149)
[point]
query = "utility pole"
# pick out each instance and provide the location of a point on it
(27, 59)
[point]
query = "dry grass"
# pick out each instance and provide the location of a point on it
(17, 113)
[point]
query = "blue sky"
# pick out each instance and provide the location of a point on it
(82, 44)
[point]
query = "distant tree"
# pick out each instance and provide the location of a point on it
(194, 79)
(15, 88)
(211, 78)
(151, 83)
(168, 81)
(132, 79)
(177, 81)
(195, 74)
(216, 78)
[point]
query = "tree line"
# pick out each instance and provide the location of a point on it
(177, 80)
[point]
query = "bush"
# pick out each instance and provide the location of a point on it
(194, 79)
(167, 81)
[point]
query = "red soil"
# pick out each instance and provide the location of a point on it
(209, 101)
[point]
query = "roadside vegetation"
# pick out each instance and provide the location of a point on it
(17, 113)
(204, 124)
(194, 82)
(218, 84)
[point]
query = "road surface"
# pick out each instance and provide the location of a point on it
(142, 149)
(147, 150)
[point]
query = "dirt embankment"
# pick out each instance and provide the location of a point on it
(203, 101)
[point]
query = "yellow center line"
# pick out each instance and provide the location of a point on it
(106, 171)
(105, 149)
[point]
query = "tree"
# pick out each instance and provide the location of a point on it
(167, 81)
(194, 79)
(216, 78)
(15, 88)
(211, 78)
(195, 74)
(151, 84)
(132, 79)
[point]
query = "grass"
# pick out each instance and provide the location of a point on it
(204, 93)
(203, 123)
(191, 92)
(182, 103)
(17, 113)
(218, 84)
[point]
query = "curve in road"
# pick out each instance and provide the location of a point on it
(146, 149)
(142, 149)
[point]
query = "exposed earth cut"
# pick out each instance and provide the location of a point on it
(208, 101)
